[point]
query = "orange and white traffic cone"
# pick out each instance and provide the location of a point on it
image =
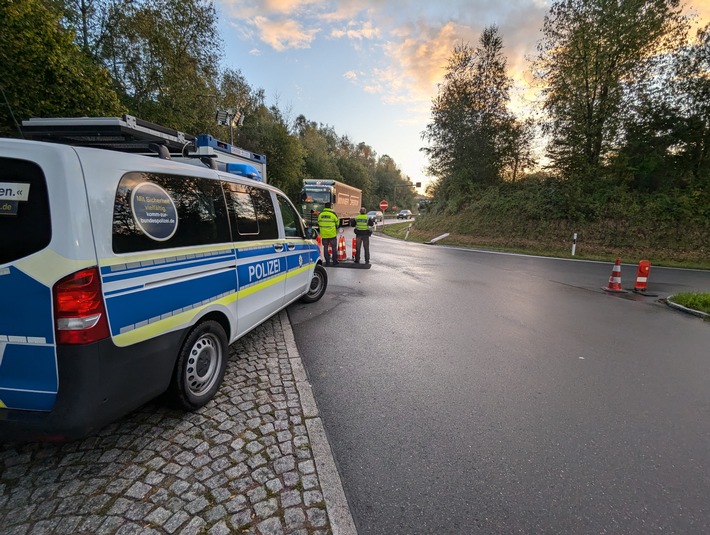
(642, 276)
(342, 255)
(354, 247)
(615, 279)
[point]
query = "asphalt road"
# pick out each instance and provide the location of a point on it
(470, 392)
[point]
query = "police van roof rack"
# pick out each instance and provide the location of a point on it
(130, 134)
(127, 134)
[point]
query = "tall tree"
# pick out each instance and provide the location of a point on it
(319, 142)
(164, 56)
(42, 71)
(470, 118)
(85, 18)
(692, 81)
(590, 53)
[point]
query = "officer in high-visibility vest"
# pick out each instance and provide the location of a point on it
(363, 233)
(328, 222)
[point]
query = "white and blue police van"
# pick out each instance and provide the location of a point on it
(125, 276)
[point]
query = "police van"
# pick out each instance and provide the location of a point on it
(125, 276)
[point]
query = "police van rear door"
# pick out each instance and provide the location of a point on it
(28, 366)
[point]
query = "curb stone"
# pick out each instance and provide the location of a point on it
(669, 301)
(336, 503)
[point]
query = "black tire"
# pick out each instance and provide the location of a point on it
(319, 283)
(200, 366)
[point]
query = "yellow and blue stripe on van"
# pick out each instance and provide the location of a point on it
(156, 294)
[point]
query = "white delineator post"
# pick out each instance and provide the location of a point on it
(574, 243)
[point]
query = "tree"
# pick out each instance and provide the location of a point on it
(164, 57)
(468, 135)
(516, 155)
(42, 72)
(692, 84)
(320, 144)
(85, 18)
(591, 53)
(285, 156)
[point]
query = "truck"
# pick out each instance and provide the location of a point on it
(345, 200)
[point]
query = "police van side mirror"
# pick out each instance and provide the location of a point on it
(311, 233)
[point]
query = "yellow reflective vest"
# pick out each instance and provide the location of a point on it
(362, 224)
(328, 223)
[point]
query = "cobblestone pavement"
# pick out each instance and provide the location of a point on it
(244, 463)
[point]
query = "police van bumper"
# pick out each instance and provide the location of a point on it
(99, 383)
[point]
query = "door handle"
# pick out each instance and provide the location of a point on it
(278, 247)
(291, 246)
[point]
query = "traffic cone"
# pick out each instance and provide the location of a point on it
(642, 276)
(615, 279)
(354, 247)
(342, 255)
(642, 279)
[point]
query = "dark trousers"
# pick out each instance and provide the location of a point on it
(334, 244)
(362, 241)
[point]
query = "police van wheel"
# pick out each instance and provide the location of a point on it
(319, 283)
(200, 367)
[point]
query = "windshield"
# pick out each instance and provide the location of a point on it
(317, 195)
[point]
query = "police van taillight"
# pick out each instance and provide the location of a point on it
(79, 311)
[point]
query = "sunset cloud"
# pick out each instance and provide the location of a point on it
(284, 34)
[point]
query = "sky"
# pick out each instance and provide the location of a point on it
(370, 68)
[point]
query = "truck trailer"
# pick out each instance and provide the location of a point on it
(345, 200)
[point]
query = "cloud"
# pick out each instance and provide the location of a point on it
(284, 34)
(351, 31)
(350, 75)
(248, 9)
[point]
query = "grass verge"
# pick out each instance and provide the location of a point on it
(694, 300)
(542, 247)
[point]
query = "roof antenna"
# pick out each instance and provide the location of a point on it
(12, 114)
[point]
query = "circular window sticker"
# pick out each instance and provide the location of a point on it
(154, 211)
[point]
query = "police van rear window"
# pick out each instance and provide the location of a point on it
(158, 211)
(25, 224)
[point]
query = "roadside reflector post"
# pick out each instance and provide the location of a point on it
(407, 233)
(574, 243)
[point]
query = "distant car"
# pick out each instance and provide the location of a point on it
(404, 214)
(376, 215)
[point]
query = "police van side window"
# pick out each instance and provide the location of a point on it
(157, 211)
(293, 225)
(266, 213)
(25, 224)
(251, 212)
(242, 212)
